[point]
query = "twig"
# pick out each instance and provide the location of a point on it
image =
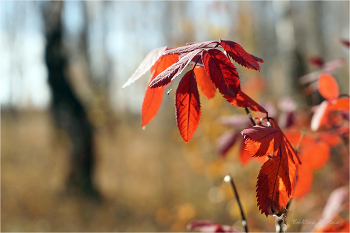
(300, 139)
(281, 222)
(250, 116)
(228, 178)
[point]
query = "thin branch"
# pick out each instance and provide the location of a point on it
(228, 178)
(300, 139)
(250, 116)
(281, 222)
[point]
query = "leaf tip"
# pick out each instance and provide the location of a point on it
(125, 85)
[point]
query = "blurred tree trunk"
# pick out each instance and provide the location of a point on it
(68, 112)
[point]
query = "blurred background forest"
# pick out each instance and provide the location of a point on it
(73, 154)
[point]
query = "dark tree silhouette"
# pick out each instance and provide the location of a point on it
(68, 112)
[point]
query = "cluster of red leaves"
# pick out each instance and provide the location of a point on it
(324, 67)
(211, 70)
(333, 112)
(275, 185)
(314, 152)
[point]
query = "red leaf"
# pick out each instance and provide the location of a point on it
(257, 59)
(190, 47)
(187, 106)
(342, 104)
(316, 154)
(221, 71)
(151, 58)
(304, 180)
(173, 71)
(204, 83)
(226, 141)
(328, 86)
(262, 140)
(287, 148)
(331, 139)
(244, 156)
(239, 55)
(153, 97)
(317, 61)
(345, 42)
(322, 112)
(294, 138)
(244, 101)
(273, 186)
(151, 103)
(277, 175)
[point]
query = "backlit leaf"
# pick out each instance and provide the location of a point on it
(273, 186)
(244, 101)
(204, 83)
(153, 97)
(221, 71)
(341, 104)
(304, 178)
(324, 110)
(294, 138)
(244, 156)
(328, 86)
(262, 140)
(151, 104)
(187, 106)
(277, 175)
(332, 139)
(146, 64)
(173, 71)
(316, 154)
(239, 55)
